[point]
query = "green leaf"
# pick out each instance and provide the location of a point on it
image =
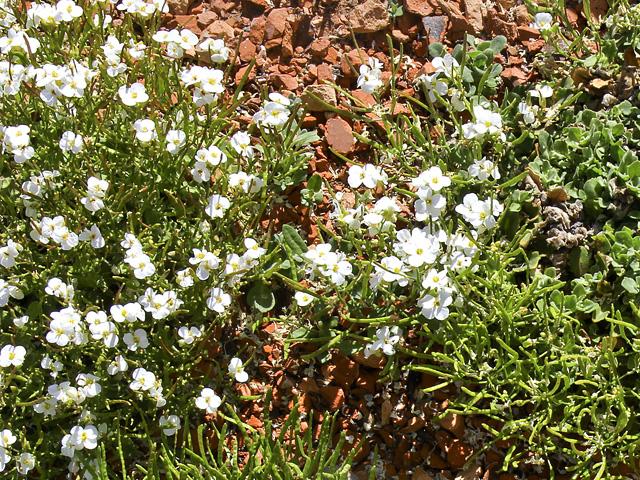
(261, 298)
(315, 183)
(498, 43)
(293, 240)
(436, 50)
(630, 285)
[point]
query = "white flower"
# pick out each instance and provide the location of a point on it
(370, 78)
(528, 113)
(7, 291)
(170, 424)
(131, 312)
(247, 183)
(417, 247)
(303, 299)
(216, 48)
(447, 65)
(175, 140)
(217, 206)
(211, 156)
(200, 172)
(21, 321)
(93, 235)
(254, 250)
(58, 288)
(188, 335)
(133, 95)
(96, 190)
(145, 130)
(542, 21)
(435, 280)
(541, 91)
(433, 178)
(142, 380)
(241, 143)
(433, 85)
(11, 355)
(387, 338)
(486, 121)
(483, 169)
(25, 462)
(71, 142)
(208, 401)
(9, 253)
(137, 339)
(89, 384)
(436, 306)
(119, 364)
(481, 214)
(369, 176)
(429, 205)
(184, 277)
(67, 10)
(218, 301)
(236, 370)
(84, 437)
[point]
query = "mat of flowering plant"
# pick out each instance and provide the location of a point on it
(335, 239)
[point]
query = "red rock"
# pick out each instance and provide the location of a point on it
(309, 385)
(458, 27)
(522, 15)
(179, 7)
(572, 15)
(257, 5)
(240, 73)
(458, 454)
(367, 381)
(422, 7)
(598, 9)
(497, 26)
(434, 460)
(247, 50)
(254, 422)
(435, 26)
(420, 474)
(325, 93)
(444, 440)
(285, 81)
(364, 99)
(333, 397)
(256, 30)
(528, 33)
(474, 11)
(319, 47)
(186, 21)
(287, 50)
(347, 370)
(400, 37)
(369, 16)
(351, 62)
(409, 24)
(374, 361)
(332, 56)
(340, 135)
(206, 18)
(220, 29)
(276, 23)
(534, 46)
(453, 423)
(413, 425)
(325, 73)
